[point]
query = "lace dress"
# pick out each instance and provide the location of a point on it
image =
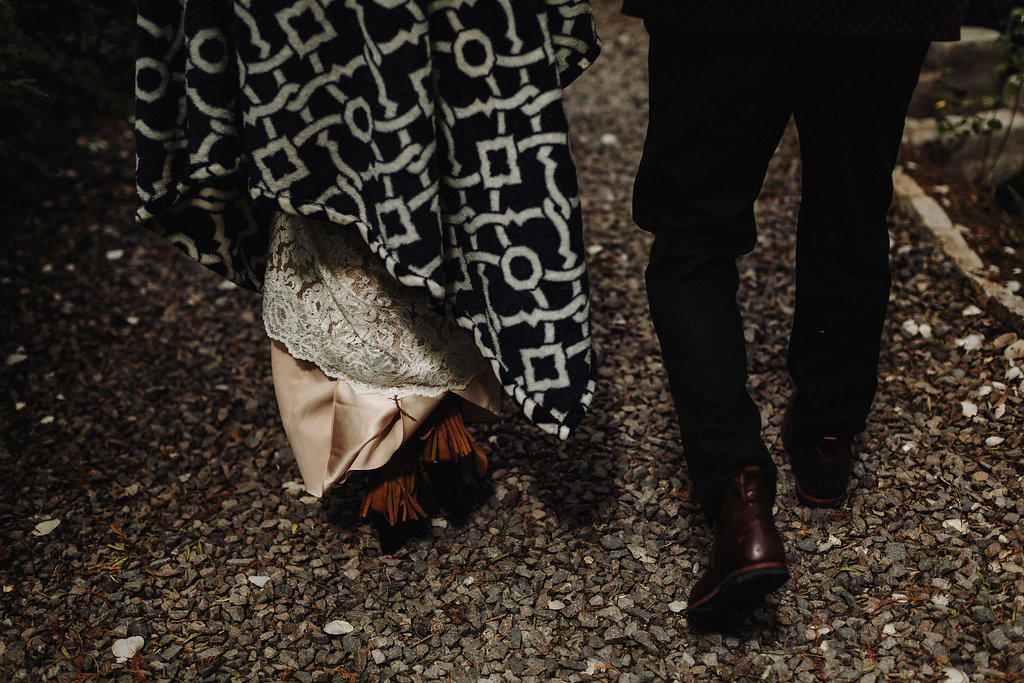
(359, 360)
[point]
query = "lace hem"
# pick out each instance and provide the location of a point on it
(333, 304)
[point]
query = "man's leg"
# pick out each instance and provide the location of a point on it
(853, 98)
(717, 110)
(850, 113)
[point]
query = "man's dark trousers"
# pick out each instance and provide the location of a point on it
(718, 108)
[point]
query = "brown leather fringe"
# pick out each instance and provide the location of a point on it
(446, 439)
(393, 490)
(401, 488)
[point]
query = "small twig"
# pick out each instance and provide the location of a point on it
(500, 616)
(654, 671)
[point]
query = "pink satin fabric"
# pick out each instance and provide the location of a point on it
(334, 431)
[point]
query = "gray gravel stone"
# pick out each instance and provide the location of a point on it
(983, 615)
(998, 639)
(612, 543)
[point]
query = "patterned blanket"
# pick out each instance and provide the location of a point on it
(434, 128)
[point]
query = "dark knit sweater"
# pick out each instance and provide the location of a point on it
(877, 19)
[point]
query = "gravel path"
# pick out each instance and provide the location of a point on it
(138, 413)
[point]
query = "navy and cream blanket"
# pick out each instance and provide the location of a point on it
(434, 128)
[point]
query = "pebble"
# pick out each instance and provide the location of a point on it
(612, 543)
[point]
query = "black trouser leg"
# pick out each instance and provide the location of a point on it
(852, 99)
(717, 111)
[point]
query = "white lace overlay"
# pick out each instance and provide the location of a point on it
(330, 302)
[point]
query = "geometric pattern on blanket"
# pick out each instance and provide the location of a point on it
(436, 129)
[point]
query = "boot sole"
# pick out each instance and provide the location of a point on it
(811, 501)
(742, 591)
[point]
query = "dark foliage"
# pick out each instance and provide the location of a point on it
(989, 13)
(62, 66)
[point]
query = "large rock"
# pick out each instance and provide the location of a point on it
(971, 66)
(996, 158)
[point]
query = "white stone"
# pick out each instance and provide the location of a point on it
(46, 528)
(969, 409)
(125, 648)
(957, 524)
(339, 627)
(971, 342)
(955, 676)
(260, 581)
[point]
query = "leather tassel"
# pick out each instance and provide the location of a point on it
(446, 439)
(393, 491)
(401, 488)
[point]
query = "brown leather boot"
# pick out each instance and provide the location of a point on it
(748, 560)
(821, 464)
